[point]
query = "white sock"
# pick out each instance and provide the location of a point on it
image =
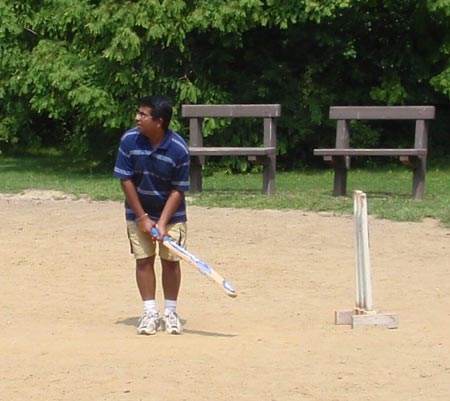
(150, 306)
(171, 306)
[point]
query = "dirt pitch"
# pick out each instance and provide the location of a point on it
(69, 307)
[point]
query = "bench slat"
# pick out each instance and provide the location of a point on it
(231, 151)
(370, 152)
(382, 112)
(230, 110)
(265, 154)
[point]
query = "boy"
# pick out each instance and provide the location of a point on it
(153, 166)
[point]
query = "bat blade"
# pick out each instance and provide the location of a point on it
(199, 264)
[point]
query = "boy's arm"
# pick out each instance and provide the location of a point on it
(173, 202)
(144, 222)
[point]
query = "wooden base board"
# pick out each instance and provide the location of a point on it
(357, 318)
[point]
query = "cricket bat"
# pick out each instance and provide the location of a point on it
(199, 264)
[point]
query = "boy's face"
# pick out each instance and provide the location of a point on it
(145, 122)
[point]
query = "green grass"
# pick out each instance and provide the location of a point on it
(54, 172)
(388, 191)
(388, 188)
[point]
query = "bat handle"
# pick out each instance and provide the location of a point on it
(156, 233)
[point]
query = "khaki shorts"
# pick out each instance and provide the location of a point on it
(143, 246)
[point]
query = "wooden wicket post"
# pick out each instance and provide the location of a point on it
(364, 313)
(363, 276)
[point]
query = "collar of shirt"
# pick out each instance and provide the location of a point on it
(164, 144)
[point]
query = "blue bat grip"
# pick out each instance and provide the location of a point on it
(155, 232)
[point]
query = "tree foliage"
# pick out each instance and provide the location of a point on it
(72, 70)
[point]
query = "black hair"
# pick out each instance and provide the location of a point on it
(161, 108)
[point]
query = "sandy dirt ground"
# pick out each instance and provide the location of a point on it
(69, 307)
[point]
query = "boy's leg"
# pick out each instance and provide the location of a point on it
(171, 278)
(171, 272)
(143, 248)
(144, 251)
(146, 282)
(145, 277)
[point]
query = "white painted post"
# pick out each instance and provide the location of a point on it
(359, 295)
(364, 313)
(363, 278)
(366, 270)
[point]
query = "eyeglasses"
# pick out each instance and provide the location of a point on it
(142, 116)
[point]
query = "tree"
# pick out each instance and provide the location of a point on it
(72, 70)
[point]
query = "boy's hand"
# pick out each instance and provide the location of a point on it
(145, 223)
(162, 229)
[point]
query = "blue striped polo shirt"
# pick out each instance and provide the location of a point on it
(154, 172)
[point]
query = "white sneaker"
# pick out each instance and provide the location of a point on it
(149, 323)
(172, 323)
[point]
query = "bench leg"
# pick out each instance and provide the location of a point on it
(419, 179)
(418, 167)
(195, 175)
(340, 166)
(269, 171)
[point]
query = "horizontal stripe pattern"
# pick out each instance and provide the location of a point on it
(155, 171)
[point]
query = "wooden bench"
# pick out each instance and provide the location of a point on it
(265, 155)
(415, 157)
